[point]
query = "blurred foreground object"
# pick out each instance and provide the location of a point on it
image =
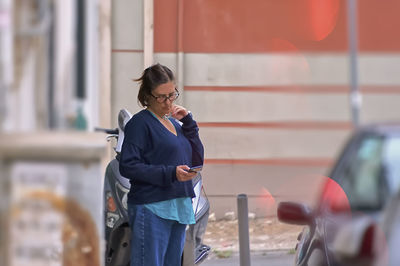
(51, 190)
(46, 68)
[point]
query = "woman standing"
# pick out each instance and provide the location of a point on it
(156, 155)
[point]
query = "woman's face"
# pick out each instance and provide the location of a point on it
(163, 90)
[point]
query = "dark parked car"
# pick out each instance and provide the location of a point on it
(341, 229)
(381, 236)
(387, 235)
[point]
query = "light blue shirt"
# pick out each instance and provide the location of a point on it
(179, 209)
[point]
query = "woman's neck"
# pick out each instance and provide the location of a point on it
(158, 115)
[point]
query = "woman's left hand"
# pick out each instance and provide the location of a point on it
(182, 173)
(178, 112)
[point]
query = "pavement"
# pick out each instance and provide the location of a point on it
(265, 234)
(271, 258)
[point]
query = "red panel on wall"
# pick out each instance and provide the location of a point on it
(237, 26)
(255, 25)
(252, 25)
(379, 25)
(165, 25)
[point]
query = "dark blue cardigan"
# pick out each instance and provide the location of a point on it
(150, 154)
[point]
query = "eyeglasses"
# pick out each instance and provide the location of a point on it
(163, 98)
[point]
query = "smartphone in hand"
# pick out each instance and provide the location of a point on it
(195, 169)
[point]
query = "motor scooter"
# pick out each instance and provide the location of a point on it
(115, 192)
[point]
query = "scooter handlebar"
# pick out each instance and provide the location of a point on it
(107, 130)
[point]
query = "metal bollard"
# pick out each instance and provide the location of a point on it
(243, 220)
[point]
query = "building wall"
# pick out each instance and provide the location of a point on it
(268, 82)
(127, 54)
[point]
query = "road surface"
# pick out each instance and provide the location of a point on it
(262, 259)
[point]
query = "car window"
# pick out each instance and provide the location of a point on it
(362, 179)
(391, 160)
(372, 174)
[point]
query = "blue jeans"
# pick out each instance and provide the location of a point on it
(155, 241)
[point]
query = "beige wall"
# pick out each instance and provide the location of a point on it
(297, 101)
(127, 54)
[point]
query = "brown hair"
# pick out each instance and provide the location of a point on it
(151, 78)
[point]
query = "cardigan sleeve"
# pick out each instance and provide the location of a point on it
(191, 132)
(132, 165)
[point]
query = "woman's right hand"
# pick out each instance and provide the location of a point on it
(182, 174)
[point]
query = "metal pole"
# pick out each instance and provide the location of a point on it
(180, 53)
(355, 96)
(243, 220)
